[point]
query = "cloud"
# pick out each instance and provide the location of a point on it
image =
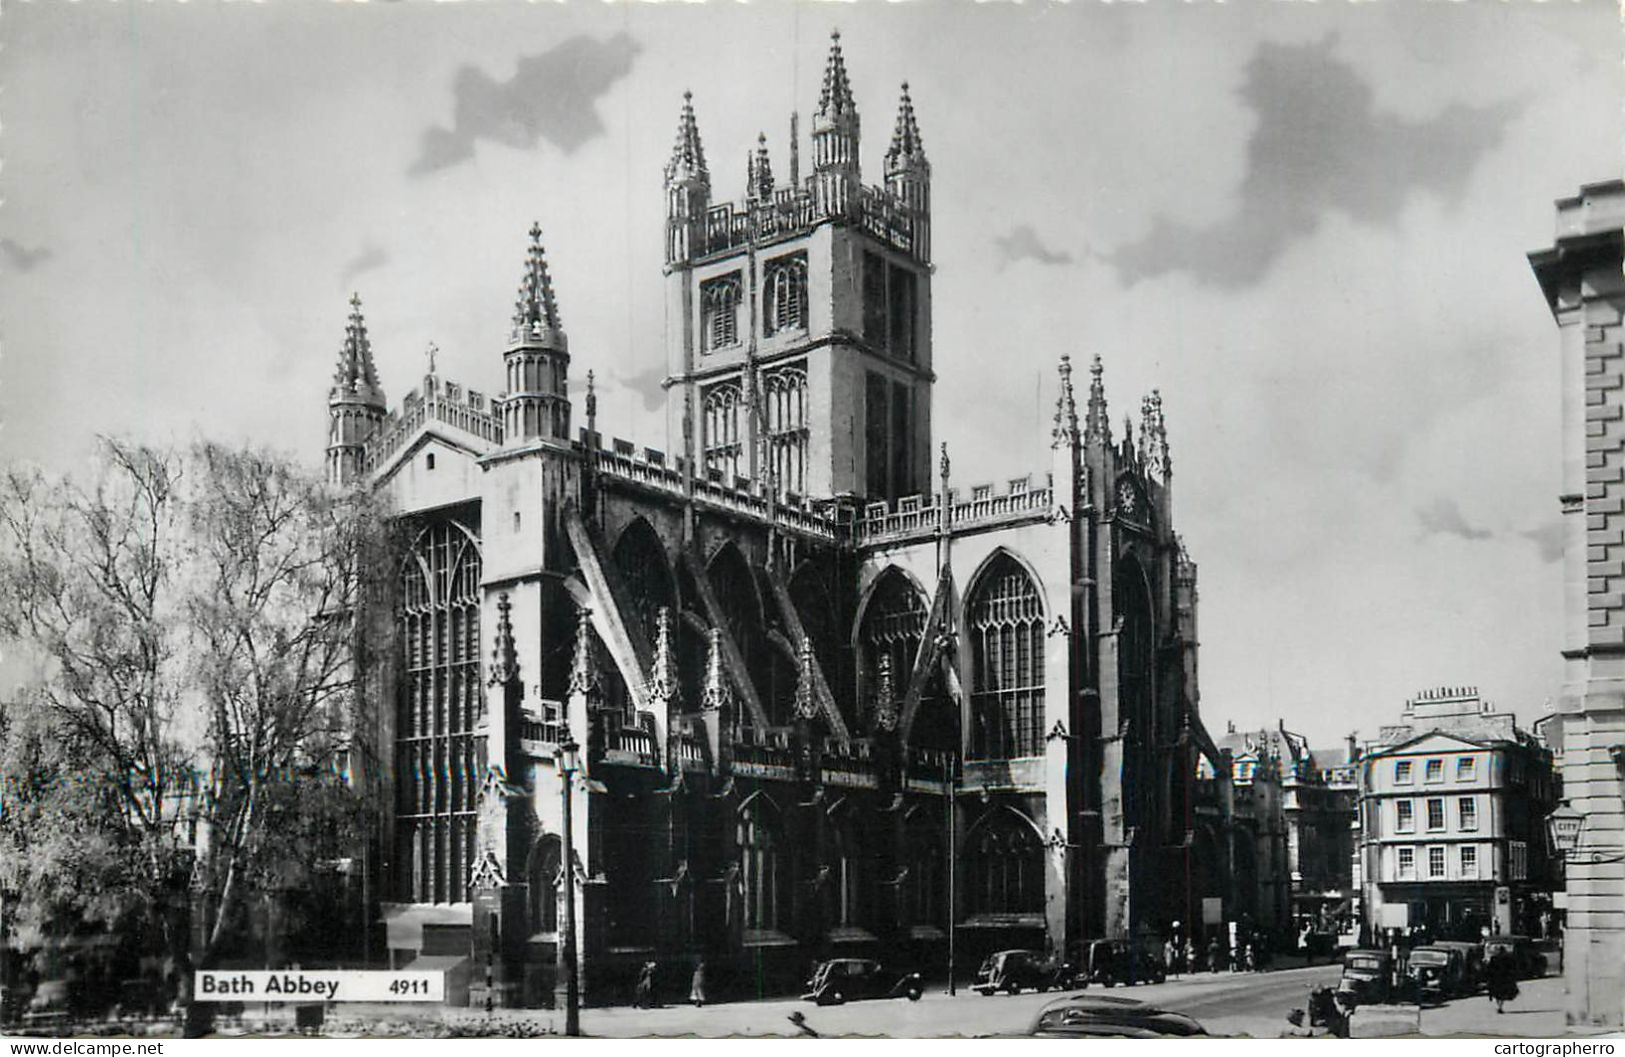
(370, 257)
(1443, 517)
(1023, 244)
(648, 385)
(1319, 147)
(1548, 538)
(551, 96)
(21, 257)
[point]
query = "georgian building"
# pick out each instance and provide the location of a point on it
(832, 700)
(1453, 806)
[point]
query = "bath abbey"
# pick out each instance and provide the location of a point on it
(816, 697)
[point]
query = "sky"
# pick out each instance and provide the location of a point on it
(1305, 223)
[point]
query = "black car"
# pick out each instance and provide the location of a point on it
(1010, 971)
(1085, 1015)
(1526, 960)
(847, 979)
(1111, 962)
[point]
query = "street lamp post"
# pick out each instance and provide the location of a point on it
(948, 788)
(568, 757)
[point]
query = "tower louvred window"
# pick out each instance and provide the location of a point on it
(719, 299)
(786, 302)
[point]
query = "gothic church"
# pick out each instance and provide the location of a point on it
(830, 700)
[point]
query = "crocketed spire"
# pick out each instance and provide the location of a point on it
(907, 148)
(663, 684)
(535, 312)
(836, 96)
(759, 171)
(504, 654)
(687, 155)
(583, 661)
(885, 696)
(714, 693)
(806, 702)
(1066, 410)
(356, 379)
(1096, 426)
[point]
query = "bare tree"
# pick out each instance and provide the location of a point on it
(197, 621)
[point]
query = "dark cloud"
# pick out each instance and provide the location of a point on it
(1443, 517)
(1319, 147)
(370, 257)
(647, 384)
(550, 97)
(21, 257)
(1548, 538)
(1023, 244)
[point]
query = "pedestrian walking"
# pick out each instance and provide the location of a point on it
(644, 998)
(1170, 956)
(696, 986)
(1502, 978)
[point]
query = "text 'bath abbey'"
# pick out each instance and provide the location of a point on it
(830, 699)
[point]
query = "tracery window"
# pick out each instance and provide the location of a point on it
(724, 444)
(545, 860)
(893, 623)
(1004, 866)
(785, 301)
(927, 878)
(786, 398)
(719, 308)
(854, 880)
(440, 701)
(764, 868)
(1006, 625)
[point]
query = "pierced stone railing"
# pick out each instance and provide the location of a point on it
(881, 214)
(453, 405)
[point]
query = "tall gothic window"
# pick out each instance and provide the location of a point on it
(719, 307)
(1136, 696)
(724, 443)
(893, 623)
(641, 561)
(1006, 624)
(785, 301)
(764, 867)
(545, 860)
(440, 701)
(786, 393)
(927, 877)
(1004, 866)
(853, 885)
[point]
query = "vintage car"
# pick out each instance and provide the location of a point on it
(1472, 956)
(1528, 962)
(1010, 971)
(1110, 962)
(847, 979)
(1108, 1016)
(1437, 973)
(1367, 978)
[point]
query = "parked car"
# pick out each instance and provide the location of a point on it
(1109, 962)
(1472, 956)
(1528, 961)
(846, 979)
(1367, 978)
(1437, 973)
(1085, 1015)
(1010, 971)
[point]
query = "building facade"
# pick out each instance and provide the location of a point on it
(831, 700)
(1580, 275)
(1319, 799)
(1453, 805)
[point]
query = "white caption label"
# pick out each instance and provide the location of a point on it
(297, 985)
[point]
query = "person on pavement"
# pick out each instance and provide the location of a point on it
(1502, 978)
(696, 986)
